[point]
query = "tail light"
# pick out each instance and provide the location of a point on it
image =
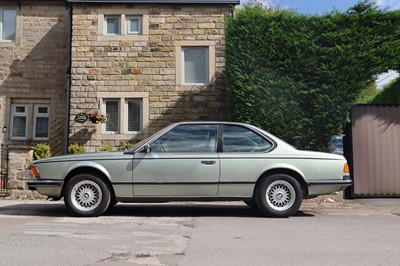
(346, 168)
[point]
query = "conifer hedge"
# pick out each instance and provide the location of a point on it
(297, 76)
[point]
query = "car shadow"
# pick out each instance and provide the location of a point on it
(58, 209)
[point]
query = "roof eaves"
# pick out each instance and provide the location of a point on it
(234, 2)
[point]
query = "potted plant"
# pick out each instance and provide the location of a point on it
(97, 118)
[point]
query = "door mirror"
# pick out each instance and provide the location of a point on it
(147, 148)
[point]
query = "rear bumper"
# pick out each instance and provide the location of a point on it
(319, 187)
(328, 182)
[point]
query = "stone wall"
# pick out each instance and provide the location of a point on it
(33, 67)
(147, 65)
(33, 70)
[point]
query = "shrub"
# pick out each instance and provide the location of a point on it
(41, 151)
(76, 149)
(107, 148)
(125, 146)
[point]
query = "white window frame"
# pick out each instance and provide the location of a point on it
(43, 115)
(2, 24)
(123, 115)
(128, 28)
(126, 120)
(123, 14)
(179, 76)
(14, 114)
(119, 116)
(106, 24)
(207, 64)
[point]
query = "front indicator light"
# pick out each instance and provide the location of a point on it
(346, 168)
(35, 172)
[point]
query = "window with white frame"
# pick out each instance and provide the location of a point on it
(29, 119)
(195, 65)
(112, 25)
(129, 111)
(8, 24)
(134, 25)
(41, 121)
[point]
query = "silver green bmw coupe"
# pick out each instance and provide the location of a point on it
(194, 161)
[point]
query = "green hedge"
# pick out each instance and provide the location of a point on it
(297, 76)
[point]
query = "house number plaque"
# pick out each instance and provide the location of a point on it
(81, 118)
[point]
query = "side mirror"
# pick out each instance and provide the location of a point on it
(147, 149)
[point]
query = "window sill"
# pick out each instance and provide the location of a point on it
(123, 37)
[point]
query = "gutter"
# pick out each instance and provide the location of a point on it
(68, 84)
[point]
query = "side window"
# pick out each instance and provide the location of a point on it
(241, 139)
(188, 138)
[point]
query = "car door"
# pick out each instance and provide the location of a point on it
(181, 162)
(242, 160)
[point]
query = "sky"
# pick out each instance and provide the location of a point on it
(326, 6)
(319, 7)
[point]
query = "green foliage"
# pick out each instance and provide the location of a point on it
(297, 76)
(41, 151)
(125, 146)
(389, 95)
(76, 149)
(107, 148)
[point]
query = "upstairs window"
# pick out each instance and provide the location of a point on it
(8, 24)
(113, 25)
(195, 65)
(134, 24)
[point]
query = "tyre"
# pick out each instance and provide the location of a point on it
(279, 196)
(86, 195)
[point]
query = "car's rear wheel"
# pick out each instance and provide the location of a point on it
(86, 195)
(279, 195)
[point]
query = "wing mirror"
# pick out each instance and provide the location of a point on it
(147, 148)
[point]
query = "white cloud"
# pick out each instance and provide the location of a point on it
(391, 4)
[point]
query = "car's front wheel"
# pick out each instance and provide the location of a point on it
(279, 195)
(86, 195)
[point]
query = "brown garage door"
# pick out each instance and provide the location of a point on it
(376, 150)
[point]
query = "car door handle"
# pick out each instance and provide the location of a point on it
(208, 162)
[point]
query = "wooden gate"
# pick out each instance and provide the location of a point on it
(374, 155)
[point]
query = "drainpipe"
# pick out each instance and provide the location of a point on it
(68, 89)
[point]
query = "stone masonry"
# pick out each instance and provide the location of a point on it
(147, 65)
(33, 70)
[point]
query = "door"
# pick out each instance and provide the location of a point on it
(182, 162)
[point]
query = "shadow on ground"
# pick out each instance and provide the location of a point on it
(58, 209)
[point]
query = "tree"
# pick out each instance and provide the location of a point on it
(297, 76)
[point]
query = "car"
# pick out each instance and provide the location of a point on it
(194, 161)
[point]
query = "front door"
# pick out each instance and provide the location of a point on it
(182, 162)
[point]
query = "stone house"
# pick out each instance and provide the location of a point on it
(142, 63)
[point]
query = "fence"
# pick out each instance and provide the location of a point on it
(3, 169)
(375, 146)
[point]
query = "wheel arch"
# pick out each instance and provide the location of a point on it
(296, 175)
(89, 170)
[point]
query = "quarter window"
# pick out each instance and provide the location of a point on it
(195, 65)
(188, 138)
(241, 139)
(8, 24)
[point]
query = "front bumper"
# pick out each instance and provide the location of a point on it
(48, 187)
